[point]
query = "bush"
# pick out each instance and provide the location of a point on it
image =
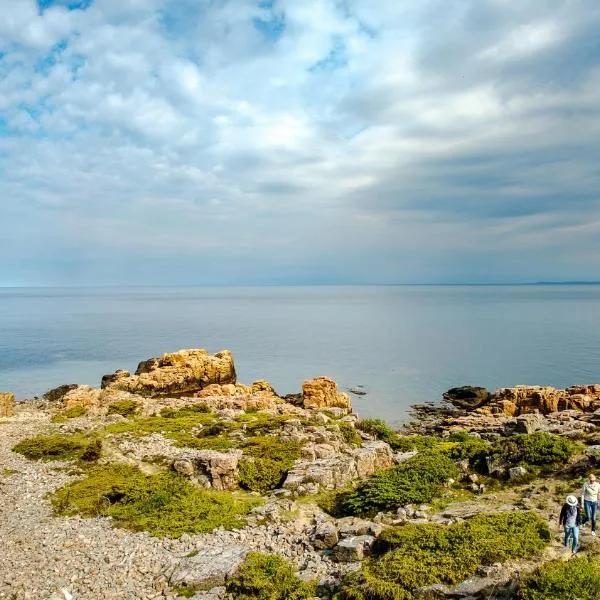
(54, 447)
(166, 504)
(540, 449)
(266, 463)
(349, 433)
(418, 480)
(576, 579)
(125, 408)
(75, 411)
(422, 555)
(461, 446)
(268, 577)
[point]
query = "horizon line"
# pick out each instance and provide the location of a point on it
(347, 284)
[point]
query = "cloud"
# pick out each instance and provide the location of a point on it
(150, 141)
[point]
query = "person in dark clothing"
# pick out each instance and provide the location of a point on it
(570, 519)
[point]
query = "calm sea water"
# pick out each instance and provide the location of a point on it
(405, 344)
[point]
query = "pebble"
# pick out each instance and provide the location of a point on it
(46, 557)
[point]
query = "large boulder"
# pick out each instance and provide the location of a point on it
(7, 404)
(467, 396)
(336, 472)
(209, 568)
(322, 392)
(176, 374)
(216, 469)
(58, 393)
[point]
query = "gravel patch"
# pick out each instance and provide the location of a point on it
(88, 558)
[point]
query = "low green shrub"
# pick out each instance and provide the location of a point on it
(349, 433)
(461, 446)
(268, 577)
(266, 463)
(165, 504)
(54, 447)
(422, 555)
(70, 413)
(576, 579)
(177, 427)
(174, 413)
(417, 480)
(539, 449)
(125, 408)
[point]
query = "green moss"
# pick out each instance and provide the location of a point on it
(165, 504)
(184, 592)
(538, 449)
(576, 579)
(421, 555)
(172, 413)
(401, 443)
(54, 447)
(125, 408)
(418, 480)
(349, 433)
(9, 472)
(172, 427)
(268, 577)
(71, 413)
(266, 462)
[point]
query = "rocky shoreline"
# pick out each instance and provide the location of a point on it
(292, 461)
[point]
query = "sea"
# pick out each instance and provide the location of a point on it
(401, 345)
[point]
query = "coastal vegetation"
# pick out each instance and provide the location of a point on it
(418, 480)
(55, 447)
(164, 504)
(576, 579)
(269, 577)
(125, 408)
(417, 556)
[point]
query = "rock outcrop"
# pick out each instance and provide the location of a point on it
(210, 568)
(337, 471)
(7, 404)
(467, 396)
(322, 392)
(525, 399)
(175, 374)
(216, 469)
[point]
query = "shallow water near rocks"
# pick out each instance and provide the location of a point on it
(404, 344)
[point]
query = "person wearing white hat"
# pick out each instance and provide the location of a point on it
(570, 519)
(589, 500)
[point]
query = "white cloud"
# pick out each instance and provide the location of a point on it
(354, 130)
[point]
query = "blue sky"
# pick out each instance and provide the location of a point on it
(287, 141)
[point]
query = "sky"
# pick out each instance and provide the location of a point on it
(235, 142)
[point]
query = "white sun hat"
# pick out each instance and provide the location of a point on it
(571, 501)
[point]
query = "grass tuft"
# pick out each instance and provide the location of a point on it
(165, 504)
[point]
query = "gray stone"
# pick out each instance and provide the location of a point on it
(529, 423)
(516, 472)
(437, 590)
(325, 535)
(210, 568)
(473, 586)
(353, 549)
(184, 467)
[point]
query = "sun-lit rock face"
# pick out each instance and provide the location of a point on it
(7, 403)
(175, 374)
(322, 392)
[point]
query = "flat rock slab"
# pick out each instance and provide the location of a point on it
(210, 568)
(466, 510)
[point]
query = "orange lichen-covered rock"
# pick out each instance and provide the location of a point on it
(7, 404)
(175, 374)
(322, 392)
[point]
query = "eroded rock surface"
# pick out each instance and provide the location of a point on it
(178, 373)
(322, 392)
(337, 471)
(7, 404)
